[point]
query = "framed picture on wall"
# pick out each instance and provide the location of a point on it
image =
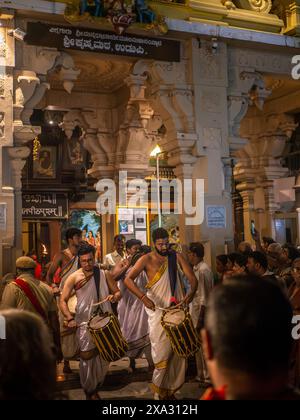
(45, 165)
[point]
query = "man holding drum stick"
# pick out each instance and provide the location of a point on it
(91, 285)
(164, 290)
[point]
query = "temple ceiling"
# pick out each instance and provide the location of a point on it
(98, 74)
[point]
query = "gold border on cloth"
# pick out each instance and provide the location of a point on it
(157, 276)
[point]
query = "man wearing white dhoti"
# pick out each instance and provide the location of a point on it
(164, 289)
(91, 286)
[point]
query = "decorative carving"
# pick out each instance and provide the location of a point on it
(27, 82)
(68, 74)
(2, 85)
(261, 6)
(3, 47)
(2, 124)
(120, 13)
(212, 138)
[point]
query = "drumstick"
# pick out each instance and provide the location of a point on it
(170, 308)
(100, 303)
(95, 304)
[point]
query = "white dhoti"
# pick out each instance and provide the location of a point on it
(170, 369)
(134, 320)
(69, 343)
(93, 368)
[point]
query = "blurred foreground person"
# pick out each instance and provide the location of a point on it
(27, 361)
(294, 296)
(248, 341)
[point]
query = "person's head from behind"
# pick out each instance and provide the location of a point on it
(274, 255)
(25, 265)
(248, 338)
(222, 261)
(27, 361)
(240, 265)
(86, 254)
(133, 246)
(245, 248)
(74, 237)
(145, 249)
(257, 263)
(266, 242)
(119, 244)
(195, 253)
(160, 239)
(289, 254)
(296, 271)
(141, 253)
(231, 260)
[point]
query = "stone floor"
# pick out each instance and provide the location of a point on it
(122, 384)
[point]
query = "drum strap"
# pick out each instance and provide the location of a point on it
(172, 265)
(97, 281)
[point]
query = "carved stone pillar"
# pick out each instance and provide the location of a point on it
(248, 211)
(18, 156)
(259, 162)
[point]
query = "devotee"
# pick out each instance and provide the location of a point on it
(205, 279)
(258, 266)
(288, 255)
(274, 254)
(133, 316)
(221, 267)
(27, 360)
(111, 260)
(67, 262)
(266, 242)
(90, 285)
(30, 294)
(294, 296)
(245, 248)
(231, 258)
(240, 265)
(38, 271)
(164, 289)
(248, 341)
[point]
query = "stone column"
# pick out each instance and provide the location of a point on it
(248, 210)
(7, 63)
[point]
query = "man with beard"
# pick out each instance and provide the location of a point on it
(164, 289)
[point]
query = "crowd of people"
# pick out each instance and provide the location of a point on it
(242, 317)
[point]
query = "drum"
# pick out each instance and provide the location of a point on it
(107, 336)
(178, 325)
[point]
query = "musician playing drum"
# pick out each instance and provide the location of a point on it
(164, 290)
(91, 285)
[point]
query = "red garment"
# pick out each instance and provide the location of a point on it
(56, 278)
(38, 271)
(215, 394)
(24, 286)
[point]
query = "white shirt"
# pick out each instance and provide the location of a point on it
(205, 279)
(112, 259)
